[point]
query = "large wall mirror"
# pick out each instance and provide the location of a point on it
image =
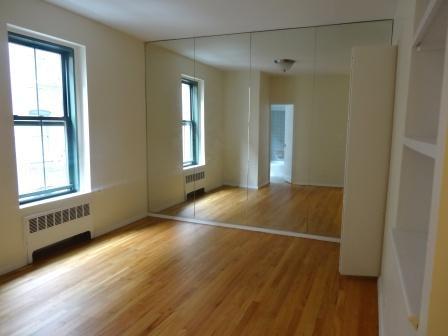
(250, 128)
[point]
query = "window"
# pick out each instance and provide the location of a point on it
(190, 122)
(43, 102)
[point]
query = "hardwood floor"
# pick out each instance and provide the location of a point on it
(159, 277)
(281, 206)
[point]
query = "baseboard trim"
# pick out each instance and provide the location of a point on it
(320, 185)
(97, 233)
(248, 228)
(264, 184)
(118, 225)
(380, 308)
(12, 267)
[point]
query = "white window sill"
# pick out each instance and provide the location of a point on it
(193, 167)
(54, 199)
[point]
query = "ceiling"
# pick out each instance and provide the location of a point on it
(151, 20)
(322, 50)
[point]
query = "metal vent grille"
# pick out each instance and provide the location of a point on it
(50, 220)
(41, 223)
(33, 225)
(72, 213)
(57, 217)
(86, 208)
(79, 212)
(65, 215)
(195, 177)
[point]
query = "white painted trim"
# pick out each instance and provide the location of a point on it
(13, 266)
(328, 185)
(380, 308)
(60, 198)
(197, 168)
(96, 233)
(242, 186)
(264, 184)
(247, 228)
(116, 226)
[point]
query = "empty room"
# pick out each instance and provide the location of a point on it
(224, 167)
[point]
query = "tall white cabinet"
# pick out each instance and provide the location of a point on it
(371, 104)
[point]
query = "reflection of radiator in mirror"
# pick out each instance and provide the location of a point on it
(194, 181)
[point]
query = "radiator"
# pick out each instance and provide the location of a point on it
(194, 181)
(50, 227)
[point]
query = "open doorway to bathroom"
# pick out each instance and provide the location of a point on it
(282, 135)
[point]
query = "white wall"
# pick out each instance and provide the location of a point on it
(254, 130)
(320, 125)
(236, 116)
(165, 170)
(115, 74)
(264, 155)
(394, 315)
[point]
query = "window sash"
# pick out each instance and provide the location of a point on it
(49, 192)
(192, 141)
(68, 120)
(193, 121)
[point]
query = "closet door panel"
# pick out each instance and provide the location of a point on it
(222, 69)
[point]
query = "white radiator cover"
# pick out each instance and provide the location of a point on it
(52, 226)
(194, 180)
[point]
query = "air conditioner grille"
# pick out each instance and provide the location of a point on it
(57, 217)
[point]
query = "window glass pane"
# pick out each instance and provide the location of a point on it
(55, 155)
(49, 83)
(23, 80)
(187, 139)
(29, 157)
(186, 104)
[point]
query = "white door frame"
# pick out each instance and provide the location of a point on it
(289, 142)
(291, 106)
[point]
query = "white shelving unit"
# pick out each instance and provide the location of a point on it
(422, 158)
(411, 251)
(423, 146)
(431, 18)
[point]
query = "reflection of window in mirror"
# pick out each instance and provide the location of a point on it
(192, 140)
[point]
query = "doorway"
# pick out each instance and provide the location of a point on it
(281, 143)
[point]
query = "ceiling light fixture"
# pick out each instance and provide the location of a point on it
(285, 64)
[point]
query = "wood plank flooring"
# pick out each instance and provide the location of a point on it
(281, 206)
(159, 277)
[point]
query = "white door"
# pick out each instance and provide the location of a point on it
(289, 141)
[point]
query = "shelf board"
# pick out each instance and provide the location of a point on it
(410, 248)
(435, 13)
(423, 146)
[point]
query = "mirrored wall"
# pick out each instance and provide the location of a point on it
(250, 128)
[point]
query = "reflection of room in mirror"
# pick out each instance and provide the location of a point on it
(269, 149)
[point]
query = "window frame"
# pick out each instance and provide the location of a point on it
(194, 120)
(68, 119)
